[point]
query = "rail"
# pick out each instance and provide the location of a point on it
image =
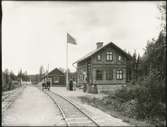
(72, 103)
(60, 109)
(77, 108)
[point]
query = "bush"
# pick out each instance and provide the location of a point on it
(150, 98)
(129, 108)
(127, 93)
(10, 86)
(144, 100)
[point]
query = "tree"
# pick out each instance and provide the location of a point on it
(133, 67)
(138, 66)
(162, 9)
(6, 76)
(20, 74)
(129, 68)
(13, 76)
(25, 76)
(161, 41)
(151, 96)
(41, 72)
(149, 90)
(5, 79)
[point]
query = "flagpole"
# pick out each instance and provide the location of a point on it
(71, 40)
(48, 69)
(67, 66)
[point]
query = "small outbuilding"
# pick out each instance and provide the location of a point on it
(56, 77)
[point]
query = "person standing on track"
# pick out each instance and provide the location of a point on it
(48, 85)
(43, 85)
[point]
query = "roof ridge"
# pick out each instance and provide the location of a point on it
(96, 50)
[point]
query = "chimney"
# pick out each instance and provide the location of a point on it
(99, 44)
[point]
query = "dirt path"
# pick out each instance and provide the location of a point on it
(32, 108)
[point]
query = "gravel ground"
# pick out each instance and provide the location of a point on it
(32, 108)
(9, 97)
(102, 118)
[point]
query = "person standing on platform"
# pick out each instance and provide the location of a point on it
(71, 85)
(74, 85)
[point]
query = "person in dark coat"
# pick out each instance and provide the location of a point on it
(85, 85)
(48, 85)
(71, 85)
(43, 85)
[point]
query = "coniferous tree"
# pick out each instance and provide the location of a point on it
(41, 72)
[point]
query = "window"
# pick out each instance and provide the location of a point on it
(119, 74)
(56, 79)
(98, 57)
(119, 58)
(89, 68)
(109, 56)
(80, 77)
(99, 74)
(109, 75)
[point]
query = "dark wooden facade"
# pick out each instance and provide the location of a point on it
(103, 67)
(56, 77)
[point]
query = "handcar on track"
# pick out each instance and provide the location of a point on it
(46, 85)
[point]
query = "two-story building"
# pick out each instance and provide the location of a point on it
(103, 68)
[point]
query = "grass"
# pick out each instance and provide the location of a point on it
(108, 108)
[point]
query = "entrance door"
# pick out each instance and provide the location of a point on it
(56, 80)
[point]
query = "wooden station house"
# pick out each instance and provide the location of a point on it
(56, 77)
(104, 68)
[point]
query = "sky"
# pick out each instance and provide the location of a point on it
(34, 34)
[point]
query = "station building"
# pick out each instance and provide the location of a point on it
(104, 68)
(56, 77)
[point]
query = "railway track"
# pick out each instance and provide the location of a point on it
(5, 97)
(71, 113)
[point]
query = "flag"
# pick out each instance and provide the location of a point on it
(70, 39)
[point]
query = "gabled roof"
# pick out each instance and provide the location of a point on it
(56, 71)
(96, 50)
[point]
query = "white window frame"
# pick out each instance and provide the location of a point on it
(109, 56)
(99, 57)
(119, 74)
(119, 58)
